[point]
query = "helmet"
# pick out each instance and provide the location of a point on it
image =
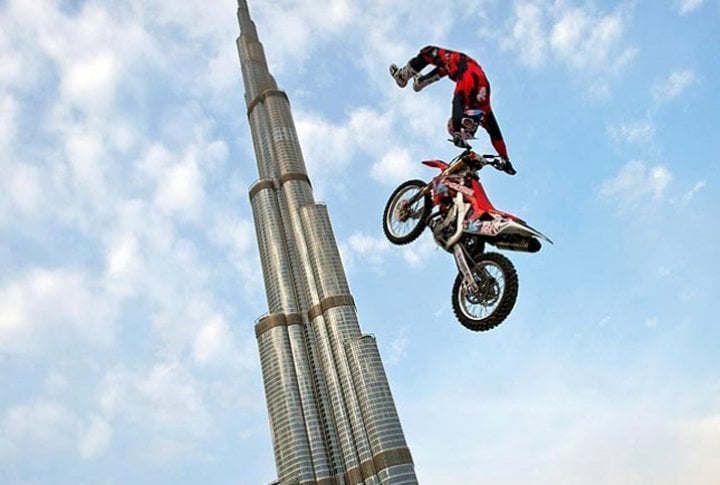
(472, 118)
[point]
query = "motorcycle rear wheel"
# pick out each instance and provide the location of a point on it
(403, 222)
(495, 298)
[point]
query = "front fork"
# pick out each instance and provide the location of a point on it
(461, 260)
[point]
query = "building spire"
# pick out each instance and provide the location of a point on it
(256, 74)
(247, 27)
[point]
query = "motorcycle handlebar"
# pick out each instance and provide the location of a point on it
(478, 160)
(482, 160)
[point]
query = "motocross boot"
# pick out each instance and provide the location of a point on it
(420, 82)
(402, 74)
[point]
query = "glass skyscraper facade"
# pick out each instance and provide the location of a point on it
(332, 416)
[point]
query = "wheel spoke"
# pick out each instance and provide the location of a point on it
(490, 280)
(403, 216)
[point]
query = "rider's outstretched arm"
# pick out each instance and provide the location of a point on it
(458, 109)
(491, 125)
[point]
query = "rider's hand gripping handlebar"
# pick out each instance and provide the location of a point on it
(473, 161)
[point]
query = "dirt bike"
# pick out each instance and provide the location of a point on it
(463, 220)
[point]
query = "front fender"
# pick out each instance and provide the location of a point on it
(439, 164)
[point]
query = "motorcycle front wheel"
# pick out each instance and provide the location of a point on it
(406, 212)
(489, 304)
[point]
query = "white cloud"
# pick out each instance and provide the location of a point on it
(86, 157)
(700, 445)
(195, 326)
(330, 147)
(165, 398)
(147, 260)
(528, 35)
(123, 258)
(180, 187)
(587, 42)
(398, 346)
(12, 62)
(636, 185)
(56, 383)
(568, 32)
(688, 6)
(91, 82)
(690, 195)
(45, 427)
(580, 38)
(48, 307)
(98, 61)
(567, 434)
(169, 412)
(88, 51)
(640, 132)
(676, 84)
(304, 25)
(178, 180)
(418, 253)
(237, 238)
(137, 250)
(112, 178)
(368, 249)
(370, 129)
(395, 166)
(8, 127)
(214, 344)
(95, 438)
(21, 185)
(327, 147)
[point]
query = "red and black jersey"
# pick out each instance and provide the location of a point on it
(449, 63)
(472, 89)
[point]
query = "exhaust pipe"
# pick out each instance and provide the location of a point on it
(525, 244)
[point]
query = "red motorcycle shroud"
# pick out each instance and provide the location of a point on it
(479, 201)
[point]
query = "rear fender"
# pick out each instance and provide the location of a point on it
(501, 225)
(523, 229)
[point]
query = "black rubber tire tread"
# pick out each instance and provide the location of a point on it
(507, 302)
(422, 222)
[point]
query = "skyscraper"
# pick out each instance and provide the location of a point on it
(332, 416)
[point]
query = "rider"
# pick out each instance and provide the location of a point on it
(471, 100)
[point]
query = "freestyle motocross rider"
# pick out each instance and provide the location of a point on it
(471, 99)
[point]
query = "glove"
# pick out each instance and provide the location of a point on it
(458, 140)
(507, 167)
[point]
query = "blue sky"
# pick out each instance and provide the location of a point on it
(129, 274)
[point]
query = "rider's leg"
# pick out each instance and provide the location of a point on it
(421, 82)
(413, 67)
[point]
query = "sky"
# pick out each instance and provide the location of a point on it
(130, 280)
